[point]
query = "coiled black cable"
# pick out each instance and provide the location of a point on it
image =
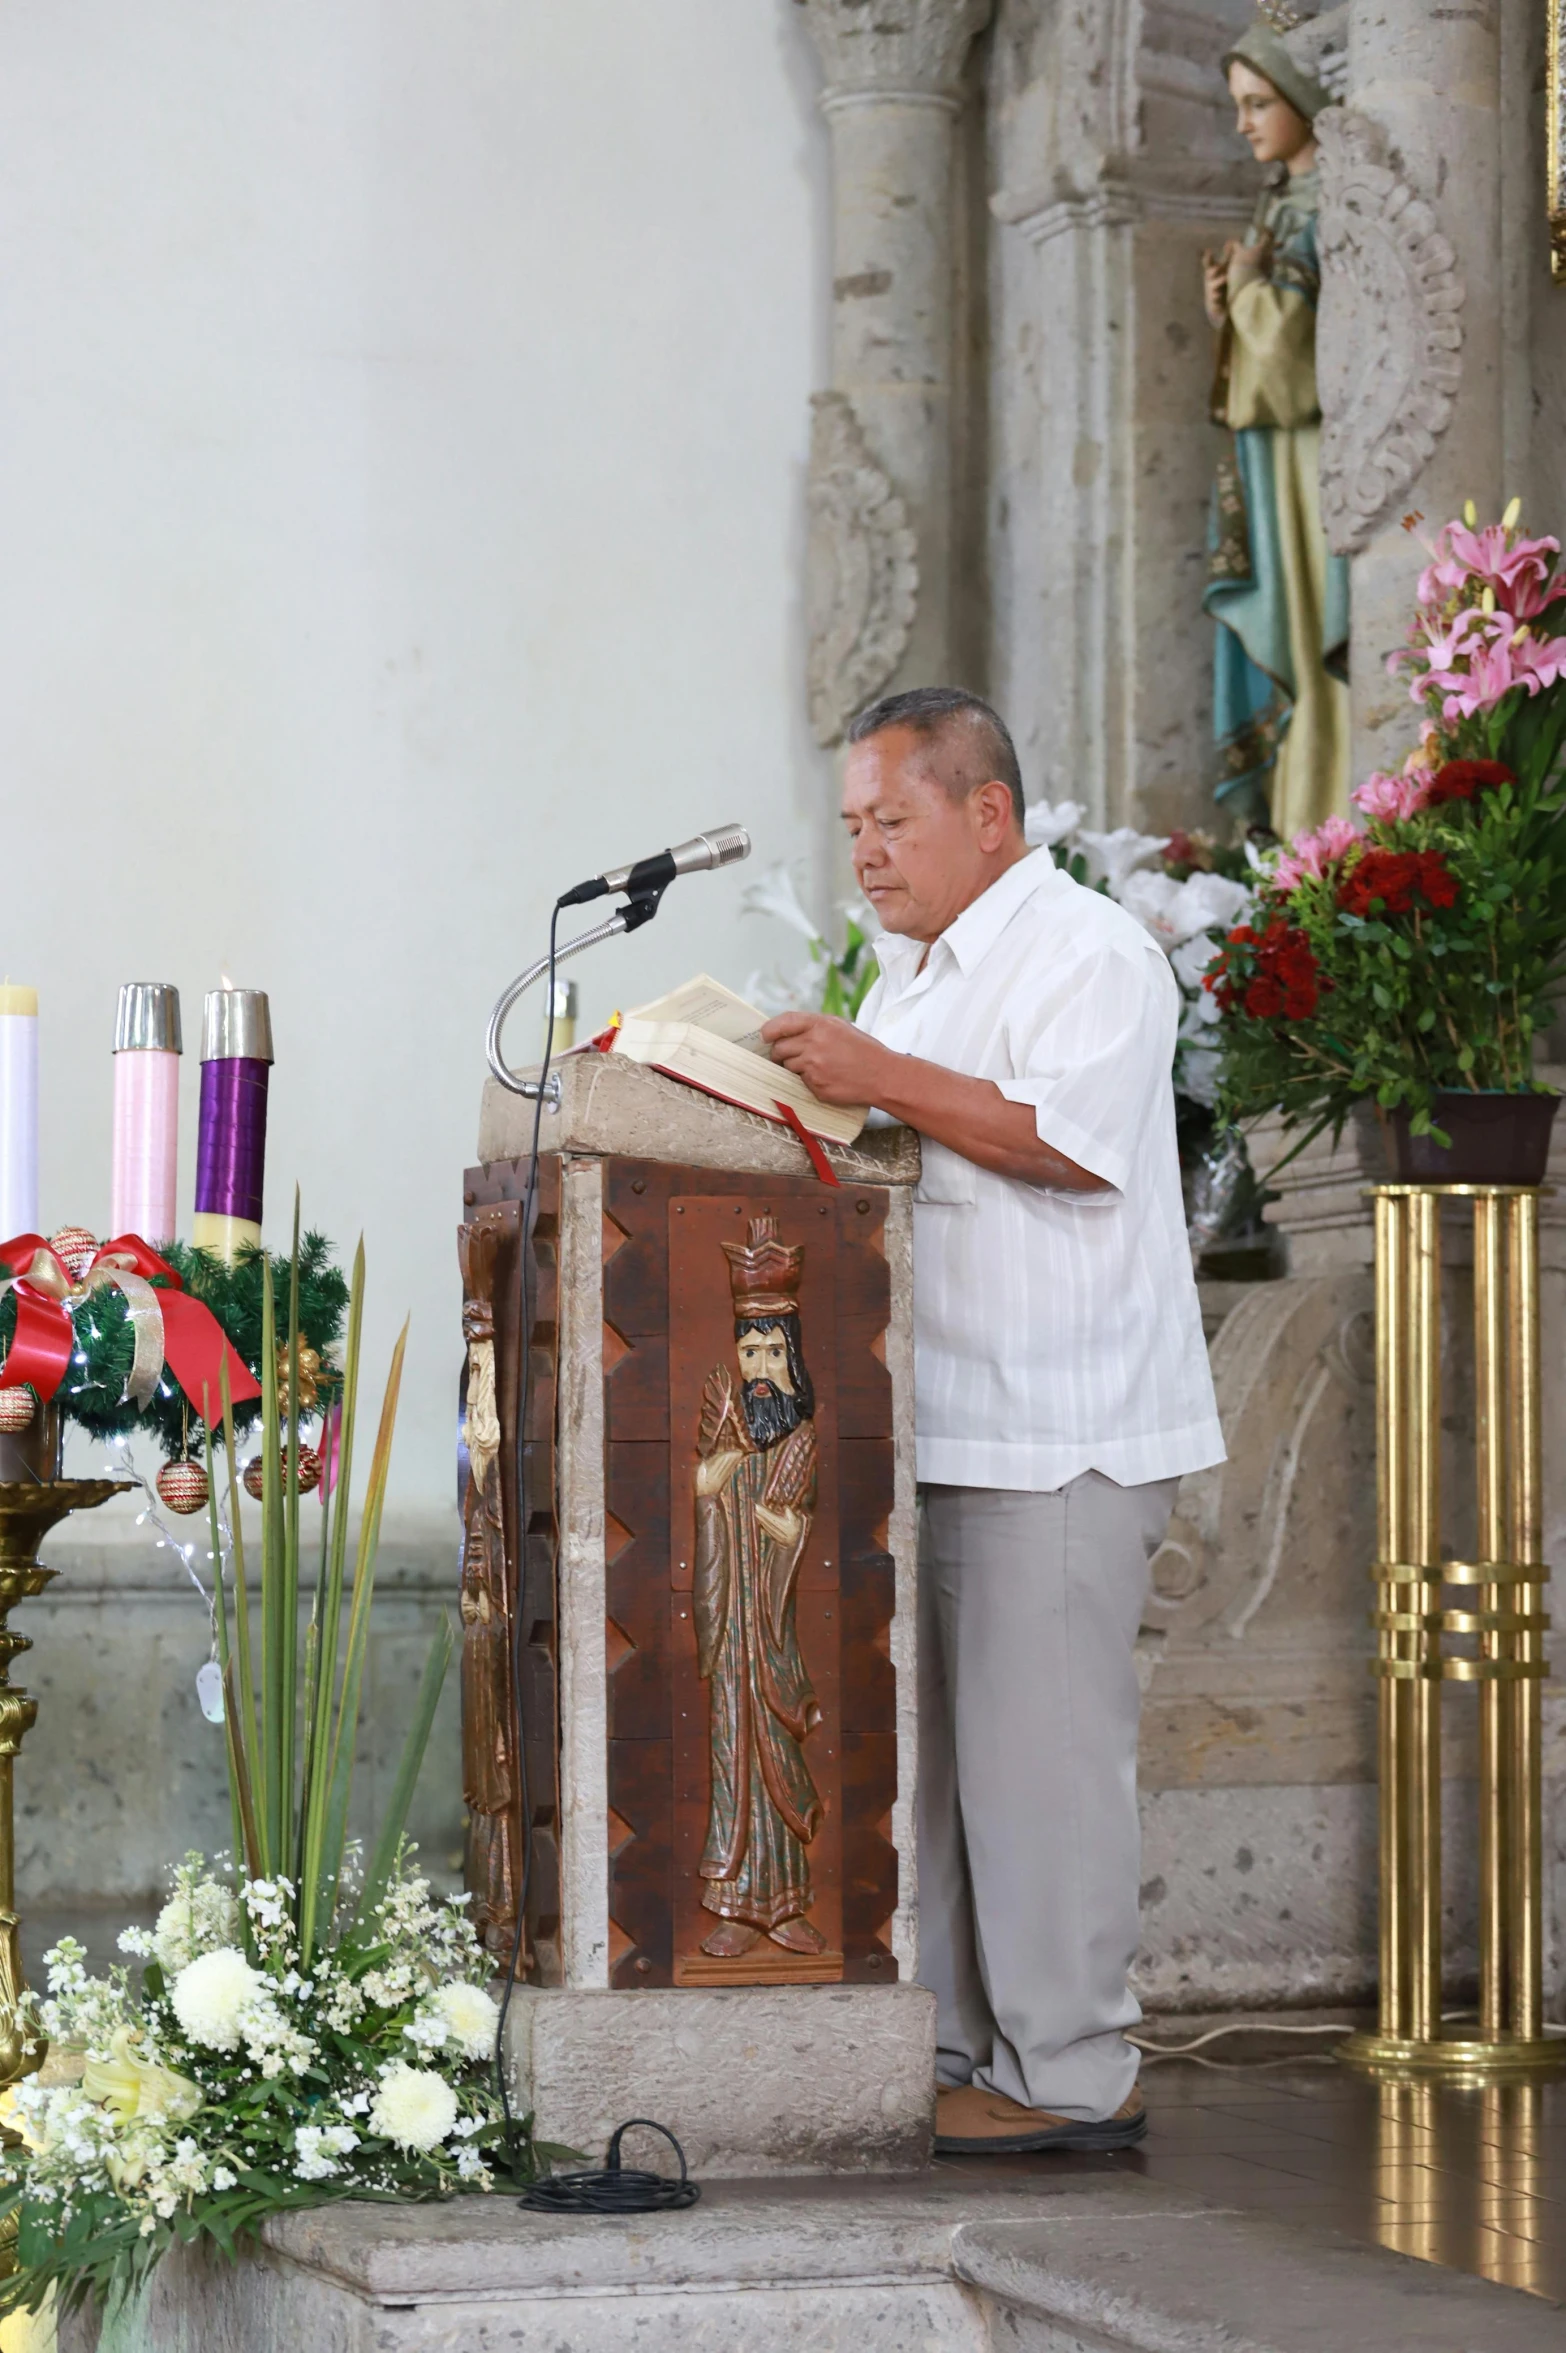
(619, 2189)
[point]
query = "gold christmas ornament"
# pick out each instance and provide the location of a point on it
(183, 1486)
(17, 1407)
(309, 1379)
(75, 1248)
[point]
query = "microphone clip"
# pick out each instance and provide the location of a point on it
(641, 906)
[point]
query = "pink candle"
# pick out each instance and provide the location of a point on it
(146, 1111)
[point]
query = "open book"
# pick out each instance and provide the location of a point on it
(704, 1034)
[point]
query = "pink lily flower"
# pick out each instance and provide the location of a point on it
(1312, 853)
(1519, 573)
(1392, 799)
(1491, 674)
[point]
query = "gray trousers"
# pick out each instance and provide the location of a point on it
(1029, 1845)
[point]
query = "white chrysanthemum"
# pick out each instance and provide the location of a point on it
(195, 1920)
(414, 2107)
(211, 1997)
(469, 2017)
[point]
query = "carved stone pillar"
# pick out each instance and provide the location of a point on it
(1411, 349)
(881, 454)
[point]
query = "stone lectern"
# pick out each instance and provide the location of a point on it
(712, 1799)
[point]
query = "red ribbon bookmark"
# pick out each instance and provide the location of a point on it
(818, 1159)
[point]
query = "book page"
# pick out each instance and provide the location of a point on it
(706, 1004)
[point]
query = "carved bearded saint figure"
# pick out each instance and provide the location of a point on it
(755, 1498)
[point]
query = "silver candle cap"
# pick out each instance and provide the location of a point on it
(236, 1026)
(147, 1020)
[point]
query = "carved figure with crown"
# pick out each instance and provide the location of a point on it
(755, 1483)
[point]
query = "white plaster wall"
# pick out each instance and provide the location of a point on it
(403, 415)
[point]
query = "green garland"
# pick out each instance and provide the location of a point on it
(92, 1395)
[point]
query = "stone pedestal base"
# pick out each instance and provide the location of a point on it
(750, 2079)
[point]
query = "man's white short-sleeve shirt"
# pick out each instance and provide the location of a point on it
(1056, 1332)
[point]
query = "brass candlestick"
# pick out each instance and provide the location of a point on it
(1413, 1626)
(28, 1510)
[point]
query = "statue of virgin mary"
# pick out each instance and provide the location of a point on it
(1280, 599)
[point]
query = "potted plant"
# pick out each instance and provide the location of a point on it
(1406, 956)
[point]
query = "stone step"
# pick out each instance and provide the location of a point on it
(960, 2260)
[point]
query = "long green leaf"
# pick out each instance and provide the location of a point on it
(345, 1731)
(290, 1600)
(231, 1730)
(272, 1579)
(318, 1721)
(394, 1819)
(243, 1656)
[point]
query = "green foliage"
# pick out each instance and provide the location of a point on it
(848, 978)
(93, 1393)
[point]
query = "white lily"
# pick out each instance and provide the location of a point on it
(1113, 857)
(1190, 961)
(1045, 825)
(777, 893)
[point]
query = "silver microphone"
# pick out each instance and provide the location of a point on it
(725, 845)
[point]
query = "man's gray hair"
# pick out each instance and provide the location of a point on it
(950, 714)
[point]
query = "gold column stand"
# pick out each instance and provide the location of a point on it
(1503, 1647)
(28, 1510)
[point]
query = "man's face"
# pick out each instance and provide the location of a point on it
(1265, 120)
(920, 856)
(763, 1357)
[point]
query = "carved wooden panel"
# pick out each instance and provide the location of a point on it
(668, 1321)
(489, 1252)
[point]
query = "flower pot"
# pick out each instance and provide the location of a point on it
(1497, 1139)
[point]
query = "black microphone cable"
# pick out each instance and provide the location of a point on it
(618, 2189)
(518, 2136)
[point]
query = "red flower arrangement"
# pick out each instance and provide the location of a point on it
(1460, 780)
(1284, 976)
(1396, 878)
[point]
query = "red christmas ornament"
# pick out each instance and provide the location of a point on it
(17, 1407)
(74, 1247)
(309, 1472)
(183, 1486)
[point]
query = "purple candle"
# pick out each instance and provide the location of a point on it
(236, 1057)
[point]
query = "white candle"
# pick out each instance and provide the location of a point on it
(18, 1111)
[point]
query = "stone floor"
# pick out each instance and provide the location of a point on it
(1475, 2180)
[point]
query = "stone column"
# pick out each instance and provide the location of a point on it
(881, 525)
(1411, 327)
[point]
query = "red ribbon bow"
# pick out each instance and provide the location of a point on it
(195, 1346)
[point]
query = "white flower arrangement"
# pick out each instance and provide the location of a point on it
(309, 2023)
(224, 2086)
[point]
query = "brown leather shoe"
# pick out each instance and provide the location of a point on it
(970, 2122)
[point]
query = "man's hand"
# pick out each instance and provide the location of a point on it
(838, 1063)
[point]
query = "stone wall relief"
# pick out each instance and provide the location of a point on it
(1391, 332)
(862, 570)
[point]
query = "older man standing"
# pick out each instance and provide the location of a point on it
(1026, 1027)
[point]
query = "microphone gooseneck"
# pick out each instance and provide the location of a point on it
(643, 886)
